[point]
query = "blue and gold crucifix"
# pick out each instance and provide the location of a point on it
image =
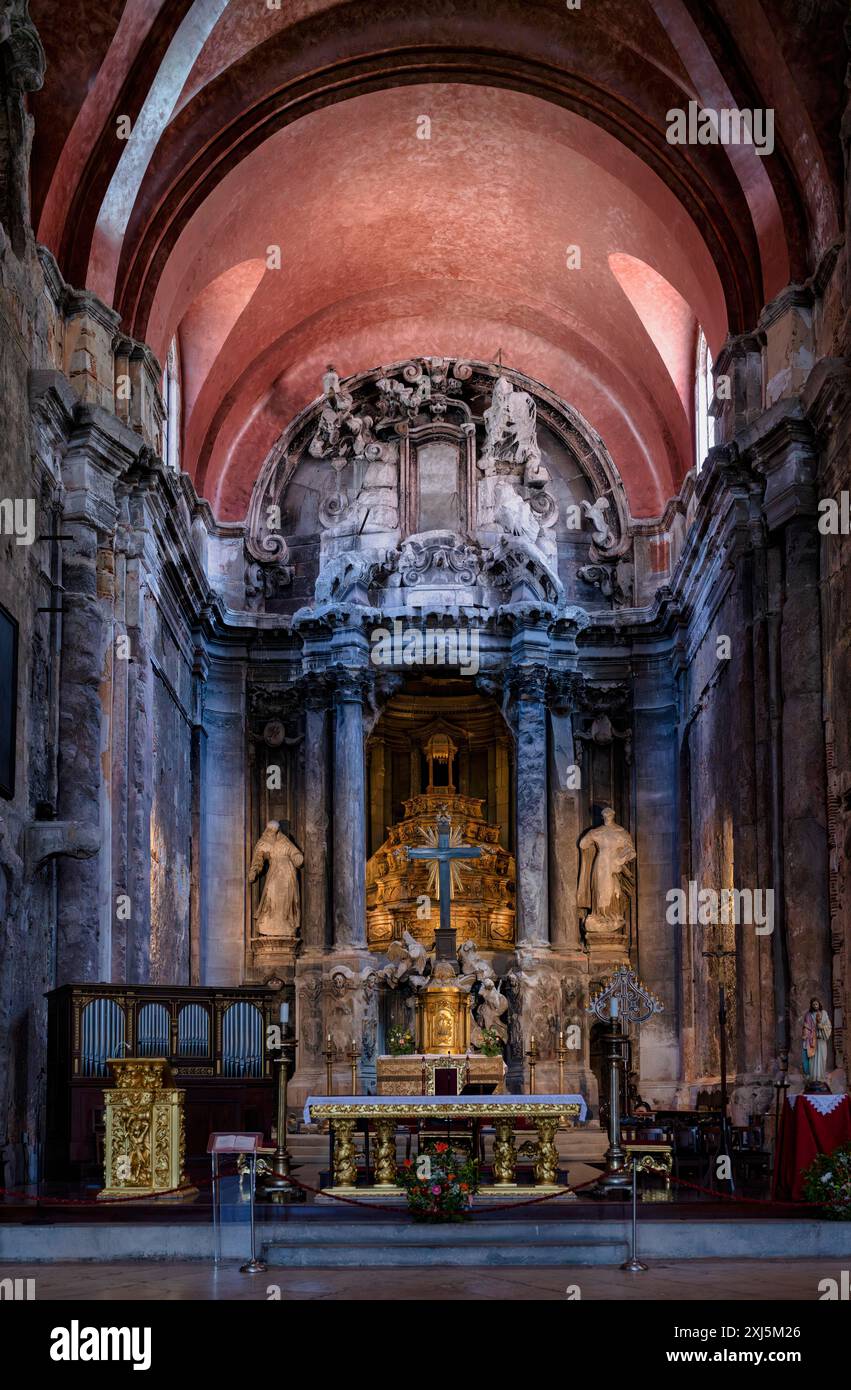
(444, 853)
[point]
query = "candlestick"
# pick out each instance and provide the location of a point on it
(329, 1067)
(276, 1185)
(354, 1055)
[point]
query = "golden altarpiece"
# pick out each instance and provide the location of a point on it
(403, 896)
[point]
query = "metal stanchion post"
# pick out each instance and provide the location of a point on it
(217, 1212)
(633, 1264)
(253, 1266)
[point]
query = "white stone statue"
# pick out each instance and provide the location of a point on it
(605, 853)
(513, 513)
(408, 961)
(595, 514)
(279, 913)
(511, 434)
(489, 1012)
(815, 1032)
(474, 968)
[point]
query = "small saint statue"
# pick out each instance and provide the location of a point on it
(278, 913)
(815, 1032)
(604, 879)
(491, 1008)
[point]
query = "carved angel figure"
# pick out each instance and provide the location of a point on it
(490, 1010)
(473, 966)
(408, 961)
(511, 434)
(595, 515)
(278, 913)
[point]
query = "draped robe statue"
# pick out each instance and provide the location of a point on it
(606, 851)
(278, 913)
(815, 1032)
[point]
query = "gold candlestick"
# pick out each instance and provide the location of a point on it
(532, 1055)
(562, 1055)
(329, 1067)
(354, 1057)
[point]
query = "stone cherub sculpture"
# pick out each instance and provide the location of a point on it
(408, 961)
(489, 1012)
(474, 968)
(604, 880)
(815, 1033)
(278, 913)
(595, 514)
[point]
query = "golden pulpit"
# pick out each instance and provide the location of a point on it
(145, 1132)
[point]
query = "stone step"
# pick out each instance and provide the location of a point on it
(398, 1245)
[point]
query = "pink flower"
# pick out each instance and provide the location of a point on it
(436, 1190)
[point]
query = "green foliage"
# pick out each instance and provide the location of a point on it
(491, 1043)
(445, 1191)
(828, 1182)
(400, 1041)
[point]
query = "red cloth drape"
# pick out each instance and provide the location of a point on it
(804, 1134)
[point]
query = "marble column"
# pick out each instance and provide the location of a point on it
(528, 689)
(314, 922)
(564, 824)
(804, 792)
(786, 455)
(85, 907)
(657, 867)
(349, 814)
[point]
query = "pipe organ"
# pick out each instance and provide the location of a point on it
(214, 1040)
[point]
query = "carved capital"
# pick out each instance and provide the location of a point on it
(528, 683)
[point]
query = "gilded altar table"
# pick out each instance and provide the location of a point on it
(386, 1113)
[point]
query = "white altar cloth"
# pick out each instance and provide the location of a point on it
(491, 1105)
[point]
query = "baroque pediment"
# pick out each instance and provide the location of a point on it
(430, 478)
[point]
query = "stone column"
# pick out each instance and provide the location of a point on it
(85, 909)
(224, 866)
(804, 790)
(349, 814)
(377, 778)
(528, 690)
(314, 922)
(564, 821)
(785, 455)
(657, 868)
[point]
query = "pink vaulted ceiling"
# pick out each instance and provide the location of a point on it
(458, 245)
(296, 126)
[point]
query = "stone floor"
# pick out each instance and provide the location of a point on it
(695, 1280)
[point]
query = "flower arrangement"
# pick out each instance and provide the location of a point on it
(828, 1182)
(439, 1186)
(490, 1044)
(400, 1042)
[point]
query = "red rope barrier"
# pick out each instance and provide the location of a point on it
(731, 1196)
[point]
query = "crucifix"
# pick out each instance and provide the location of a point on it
(444, 853)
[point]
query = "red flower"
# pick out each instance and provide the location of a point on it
(408, 1163)
(441, 1148)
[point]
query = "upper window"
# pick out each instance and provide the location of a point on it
(171, 401)
(704, 423)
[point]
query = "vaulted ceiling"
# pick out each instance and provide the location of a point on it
(546, 215)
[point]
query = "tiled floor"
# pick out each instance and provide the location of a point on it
(697, 1280)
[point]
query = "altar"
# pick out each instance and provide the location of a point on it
(434, 1073)
(381, 1116)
